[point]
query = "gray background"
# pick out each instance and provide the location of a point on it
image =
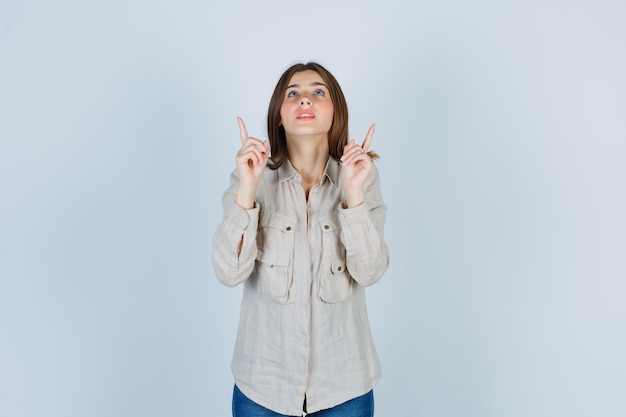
(502, 131)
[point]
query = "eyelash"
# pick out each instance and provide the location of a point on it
(320, 93)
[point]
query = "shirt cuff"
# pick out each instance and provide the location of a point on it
(241, 218)
(353, 215)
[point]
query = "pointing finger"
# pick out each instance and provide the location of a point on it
(243, 132)
(368, 138)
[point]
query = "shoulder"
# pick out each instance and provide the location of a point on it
(269, 181)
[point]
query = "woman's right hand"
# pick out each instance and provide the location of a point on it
(251, 161)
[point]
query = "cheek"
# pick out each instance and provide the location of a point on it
(330, 112)
(286, 107)
(282, 114)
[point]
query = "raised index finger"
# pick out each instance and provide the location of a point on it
(368, 138)
(243, 132)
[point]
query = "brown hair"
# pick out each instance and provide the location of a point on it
(338, 133)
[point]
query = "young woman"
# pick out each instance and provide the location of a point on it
(303, 230)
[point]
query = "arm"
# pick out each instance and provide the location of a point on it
(362, 214)
(234, 242)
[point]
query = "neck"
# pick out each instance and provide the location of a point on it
(309, 158)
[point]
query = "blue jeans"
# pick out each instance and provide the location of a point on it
(362, 406)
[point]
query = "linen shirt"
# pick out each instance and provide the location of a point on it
(303, 329)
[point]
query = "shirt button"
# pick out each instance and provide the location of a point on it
(326, 227)
(288, 228)
(338, 268)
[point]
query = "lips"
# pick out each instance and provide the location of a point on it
(305, 115)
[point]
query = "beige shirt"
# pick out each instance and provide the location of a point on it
(303, 328)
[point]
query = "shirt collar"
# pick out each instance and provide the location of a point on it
(332, 171)
(287, 171)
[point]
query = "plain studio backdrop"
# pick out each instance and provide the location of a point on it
(502, 130)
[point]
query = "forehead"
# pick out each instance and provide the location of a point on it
(305, 78)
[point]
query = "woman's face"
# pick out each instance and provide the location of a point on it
(307, 108)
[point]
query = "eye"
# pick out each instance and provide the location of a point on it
(320, 93)
(292, 94)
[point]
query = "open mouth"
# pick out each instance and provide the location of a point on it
(305, 115)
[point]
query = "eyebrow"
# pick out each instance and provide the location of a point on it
(314, 84)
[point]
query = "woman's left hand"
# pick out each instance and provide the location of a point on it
(356, 167)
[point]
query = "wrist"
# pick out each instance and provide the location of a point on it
(353, 200)
(245, 197)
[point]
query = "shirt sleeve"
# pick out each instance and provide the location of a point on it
(232, 267)
(362, 234)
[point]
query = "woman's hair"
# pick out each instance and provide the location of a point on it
(338, 133)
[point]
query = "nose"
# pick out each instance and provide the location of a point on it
(305, 101)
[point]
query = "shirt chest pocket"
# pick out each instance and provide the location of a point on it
(335, 283)
(274, 261)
